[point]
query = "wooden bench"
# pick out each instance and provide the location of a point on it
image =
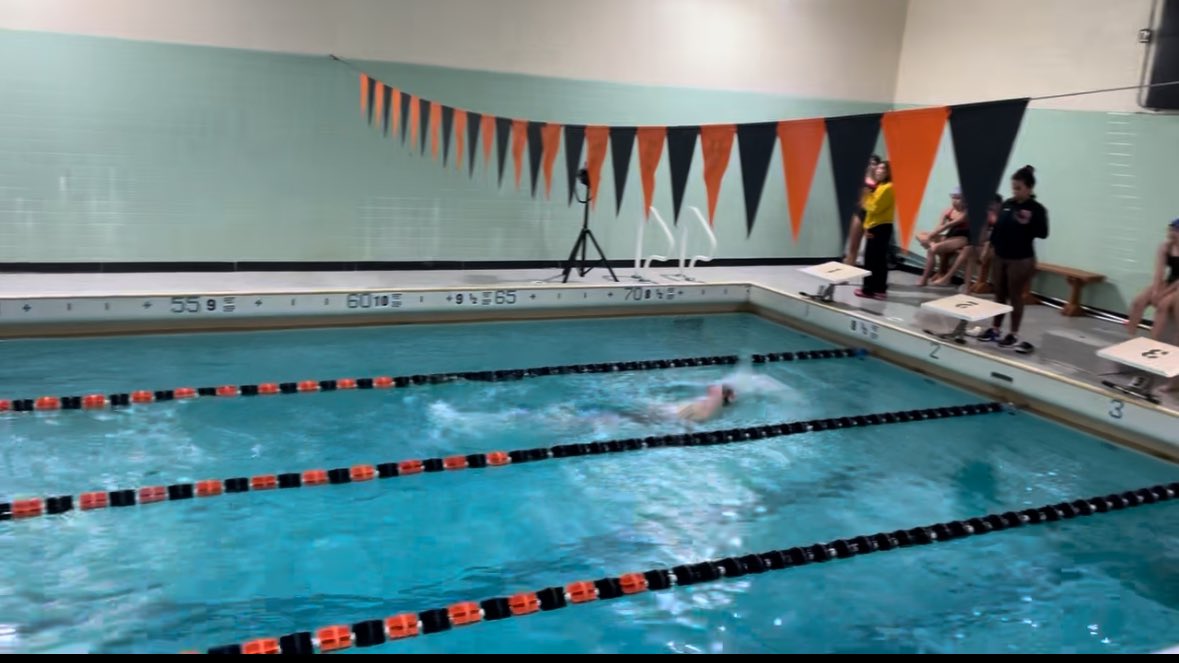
(1077, 280)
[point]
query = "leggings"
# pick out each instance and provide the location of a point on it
(876, 259)
(1011, 279)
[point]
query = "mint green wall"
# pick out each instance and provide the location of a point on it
(116, 150)
(1109, 182)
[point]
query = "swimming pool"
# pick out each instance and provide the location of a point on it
(198, 573)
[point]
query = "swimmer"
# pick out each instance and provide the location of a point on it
(703, 409)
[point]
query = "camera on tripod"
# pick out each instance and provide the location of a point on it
(586, 236)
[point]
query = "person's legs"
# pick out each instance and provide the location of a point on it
(943, 252)
(855, 235)
(1137, 310)
(883, 234)
(966, 261)
(930, 259)
(1002, 287)
(1019, 275)
(876, 260)
(1166, 311)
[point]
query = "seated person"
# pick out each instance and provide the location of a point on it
(974, 255)
(1163, 291)
(951, 235)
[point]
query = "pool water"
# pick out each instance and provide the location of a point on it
(199, 573)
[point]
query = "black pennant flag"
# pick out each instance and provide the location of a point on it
(503, 131)
(574, 139)
(405, 98)
(756, 143)
(473, 122)
(386, 98)
(423, 123)
(681, 147)
(851, 140)
(447, 124)
(622, 143)
(983, 135)
(535, 151)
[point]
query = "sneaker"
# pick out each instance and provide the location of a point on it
(1025, 348)
(859, 292)
(1008, 341)
(989, 336)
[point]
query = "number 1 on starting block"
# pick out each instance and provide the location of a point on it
(832, 274)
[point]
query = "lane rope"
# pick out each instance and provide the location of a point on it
(38, 506)
(374, 632)
(145, 396)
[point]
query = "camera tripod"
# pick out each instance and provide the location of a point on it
(580, 245)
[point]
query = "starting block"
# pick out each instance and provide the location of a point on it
(1152, 358)
(965, 309)
(832, 274)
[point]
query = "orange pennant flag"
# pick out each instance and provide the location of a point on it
(716, 142)
(596, 140)
(435, 128)
(912, 138)
(801, 142)
(363, 94)
(394, 111)
(651, 141)
(460, 135)
(519, 141)
(379, 104)
(550, 135)
(488, 133)
(415, 120)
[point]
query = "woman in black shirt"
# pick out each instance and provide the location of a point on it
(1022, 220)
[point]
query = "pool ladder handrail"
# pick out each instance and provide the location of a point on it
(642, 267)
(699, 257)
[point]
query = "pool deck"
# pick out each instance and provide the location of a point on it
(902, 309)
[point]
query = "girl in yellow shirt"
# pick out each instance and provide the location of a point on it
(880, 208)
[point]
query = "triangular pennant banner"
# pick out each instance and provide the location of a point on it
(716, 142)
(983, 135)
(365, 87)
(489, 130)
(474, 123)
(394, 110)
(912, 138)
(801, 141)
(415, 110)
(756, 142)
(379, 103)
(460, 137)
(503, 131)
(596, 139)
(622, 143)
(681, 147)
(574, 137)
(435, 129)
(424, 116)
(535, 151)
(447, 125)
(851, 140)
(651, 141)
(519, 138)
(405, 113)
(551, 137)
